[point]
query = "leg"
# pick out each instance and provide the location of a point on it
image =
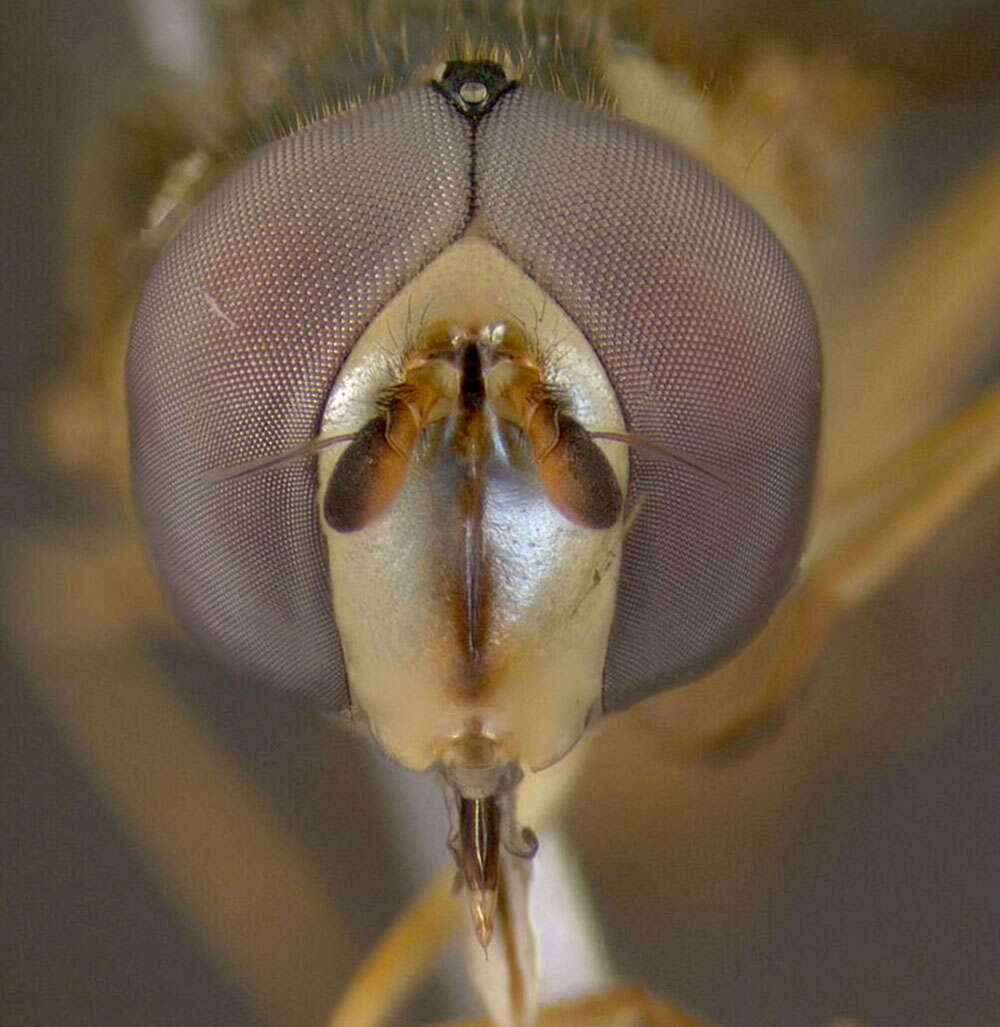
(625, 1005)
(403, 957)
(860, 544)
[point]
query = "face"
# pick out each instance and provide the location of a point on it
(485, 292)
(480, 454)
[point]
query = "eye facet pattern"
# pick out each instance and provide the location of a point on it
(235, 345)
(707, 333)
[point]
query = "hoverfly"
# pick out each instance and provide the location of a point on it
(423, 347)
(472, 278)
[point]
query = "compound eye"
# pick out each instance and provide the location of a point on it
(707, 334)
(236, 342)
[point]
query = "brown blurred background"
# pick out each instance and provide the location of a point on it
(848, 862)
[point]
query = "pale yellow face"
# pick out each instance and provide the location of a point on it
(552, 582)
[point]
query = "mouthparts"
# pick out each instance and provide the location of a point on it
(483, 819)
